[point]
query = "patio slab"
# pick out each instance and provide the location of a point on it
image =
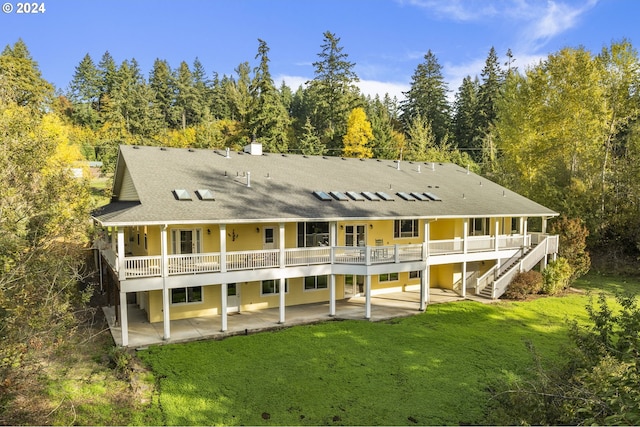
(383, 307)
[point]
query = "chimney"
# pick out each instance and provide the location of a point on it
(254, 147)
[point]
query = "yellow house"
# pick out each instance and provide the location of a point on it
(209, 232)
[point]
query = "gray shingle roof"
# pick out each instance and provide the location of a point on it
(282, 185)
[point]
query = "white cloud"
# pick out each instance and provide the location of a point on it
(367, 87)
(540, 21)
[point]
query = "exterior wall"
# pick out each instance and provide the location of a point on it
(444, 229)
(209, 306)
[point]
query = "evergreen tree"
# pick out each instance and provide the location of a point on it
(309, 143)
(463, 123)
(107, 70)
(333, 91)
(162, 86)
(427, 97)
(85, 85)
(421, 138)
(492, 79)
(269, 120)
(22, 81)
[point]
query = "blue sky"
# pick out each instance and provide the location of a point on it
(386, 39)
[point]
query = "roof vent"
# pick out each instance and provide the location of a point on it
(227, 155)
(204, 194)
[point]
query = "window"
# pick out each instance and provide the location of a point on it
(479, 227)
(272, 287)
(312, 234)
(388, 277)
(515, 225)
(188, 295)
(406, 228)
(415, 274)
(315, 282)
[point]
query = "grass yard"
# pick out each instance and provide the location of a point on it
(432, 368)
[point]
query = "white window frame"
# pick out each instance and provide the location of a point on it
(398, 232)
(276, 287)
(175, 240)
(186, 293)
(387, 277)
(316, 283)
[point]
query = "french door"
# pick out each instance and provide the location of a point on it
(354, 235)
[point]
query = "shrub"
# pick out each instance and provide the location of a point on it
(523, 284)
(556, 277)
(573, 244)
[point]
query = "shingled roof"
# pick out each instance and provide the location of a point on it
(280, 187)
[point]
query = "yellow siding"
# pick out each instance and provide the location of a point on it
(209, 306)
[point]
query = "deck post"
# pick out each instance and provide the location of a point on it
(332, 295)
(166, 315)
(223, 306)
(425, 256)
(367, 292)
(223, 248)
(282, 264)
(124, 320)
(464, 279)
(282, 300)
(122, 274)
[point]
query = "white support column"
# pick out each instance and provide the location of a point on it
(333, 239)
(524, 230)
(464, 279)
(166, 314)
(497, 236)
(424, 293)
(282, 266)
(367, 291)
(544, 225)
(223, 269)
(223, 248)
(124, 320)
(121, 261)
(332, 295)
(282, 300)
(223, 306)
(465, 235)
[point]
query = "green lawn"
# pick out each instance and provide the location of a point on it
(433, 368)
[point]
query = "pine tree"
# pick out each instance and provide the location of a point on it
(269, 120)
(333, 91)
(427, 97)
(161, 83)
(22, 81)
(463, 123)
(492, 79)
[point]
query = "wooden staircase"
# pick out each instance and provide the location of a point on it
(501, 278)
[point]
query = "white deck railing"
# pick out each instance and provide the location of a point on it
(150, 266)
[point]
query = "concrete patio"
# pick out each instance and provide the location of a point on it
(383, 307)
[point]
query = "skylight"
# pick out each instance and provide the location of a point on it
(433, 197)
(204, 194)
(181, 194)
(406, 196)
(420, 197)
(339, 195)
(384, 196)
(371, 196)
(322, 196)
(355, 196)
